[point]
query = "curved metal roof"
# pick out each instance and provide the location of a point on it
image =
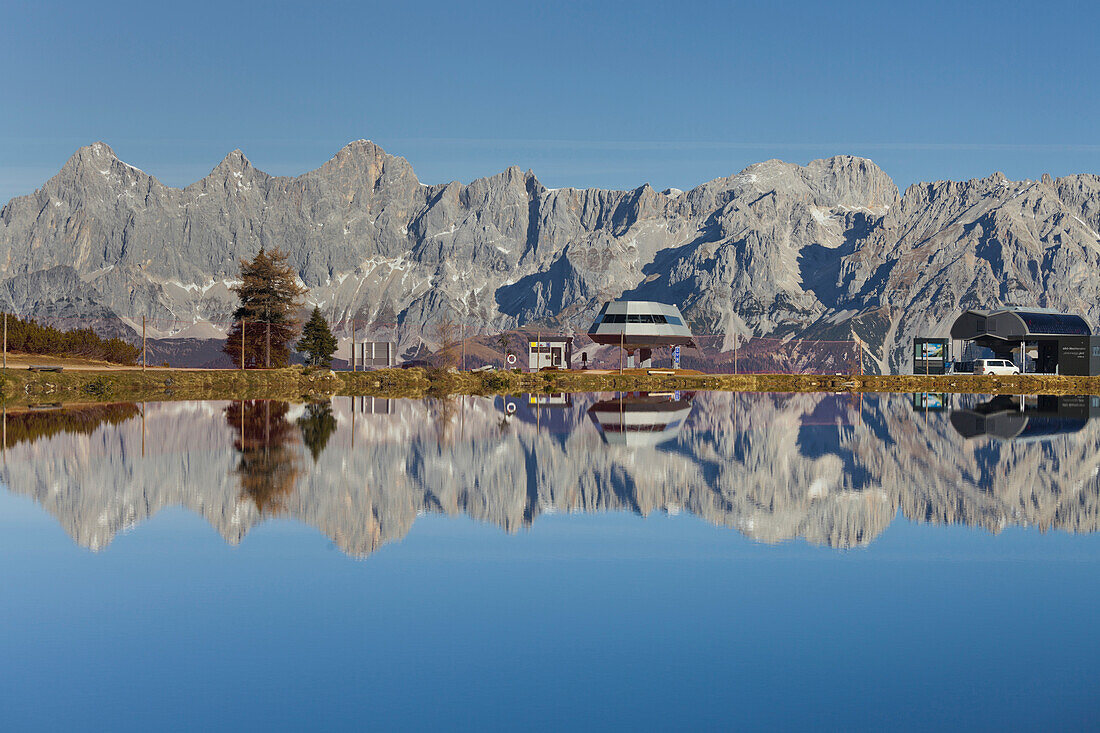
(1016, 324)
(1052, 322)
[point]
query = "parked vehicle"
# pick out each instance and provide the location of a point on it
(995, 366)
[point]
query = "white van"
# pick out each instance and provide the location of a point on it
(995, 366)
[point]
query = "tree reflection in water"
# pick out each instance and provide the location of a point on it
(443, 412)
(268, 466)
(30, 424)
(317, 426)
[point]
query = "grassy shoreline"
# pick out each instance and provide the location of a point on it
(20, 386)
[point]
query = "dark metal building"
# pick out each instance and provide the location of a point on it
(1029, 418)
(1057, 342)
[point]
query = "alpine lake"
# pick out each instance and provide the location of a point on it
(625, 561)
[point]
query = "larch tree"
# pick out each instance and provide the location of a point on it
(267, 467)
(268, 293)
(447, 334)
(505, 340)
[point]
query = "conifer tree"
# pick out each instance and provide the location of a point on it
(317, 340)
(317, 426)
(268, 295)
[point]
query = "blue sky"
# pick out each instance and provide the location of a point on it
(586, 94)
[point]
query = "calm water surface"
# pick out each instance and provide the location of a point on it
(587, 562)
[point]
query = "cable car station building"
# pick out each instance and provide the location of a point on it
(1056, 342)
(640, 325)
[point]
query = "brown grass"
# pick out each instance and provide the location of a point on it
(20, 386)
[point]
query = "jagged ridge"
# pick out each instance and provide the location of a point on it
(825, 250)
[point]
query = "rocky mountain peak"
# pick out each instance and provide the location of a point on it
(95, 158)
(852, 182)
(361, 168)
(361, 147)
(363, 152)
(96, 151)
(94, 178)
(843, 180)
(779, 249)
(235, 165)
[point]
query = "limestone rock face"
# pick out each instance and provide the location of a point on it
(983, 243)
(825, 250)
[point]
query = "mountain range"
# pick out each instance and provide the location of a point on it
(830, 250)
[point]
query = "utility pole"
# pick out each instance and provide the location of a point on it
(5, 340)
(621, 347)
(242, 358)
(463, 346)
(353, 347)
(143, 345)
(735, 354)
(267, 359)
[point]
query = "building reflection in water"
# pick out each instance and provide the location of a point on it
(831, 469)
(548, 413)
(638, 419)
(1027, 417)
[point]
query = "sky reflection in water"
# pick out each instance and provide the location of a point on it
(803, 560)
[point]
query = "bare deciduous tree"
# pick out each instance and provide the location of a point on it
(446, 333)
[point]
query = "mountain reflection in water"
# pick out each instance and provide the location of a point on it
(831, 469)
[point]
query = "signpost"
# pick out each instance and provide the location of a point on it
(676, 357)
